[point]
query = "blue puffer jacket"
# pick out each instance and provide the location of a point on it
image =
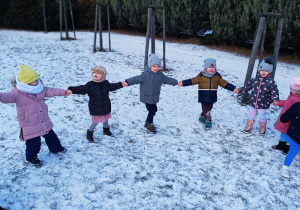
(293, 114)
(150, 84)
(264, 91)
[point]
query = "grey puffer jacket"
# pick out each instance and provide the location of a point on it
(150, 84)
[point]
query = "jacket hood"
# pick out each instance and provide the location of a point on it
(149, 70)
(296, 92)
(13, 81)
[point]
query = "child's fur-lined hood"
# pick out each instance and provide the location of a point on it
(13, 81)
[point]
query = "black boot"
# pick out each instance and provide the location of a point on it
(286, 149)
(89, 136)
(280, 146)
(107, 132)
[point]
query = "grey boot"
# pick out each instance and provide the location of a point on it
(89, 136)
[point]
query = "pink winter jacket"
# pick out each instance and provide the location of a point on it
(32, 111)
(286, 104)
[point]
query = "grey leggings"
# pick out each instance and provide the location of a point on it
(93, 125)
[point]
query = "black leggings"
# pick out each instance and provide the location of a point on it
(152, 109)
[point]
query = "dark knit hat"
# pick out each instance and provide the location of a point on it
(266, 65)
(153, 60)
(210, 62)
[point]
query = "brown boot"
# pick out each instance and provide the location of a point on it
(262, 129)
(249, 126)
(150, 126)
(89, 136)
(107, 132)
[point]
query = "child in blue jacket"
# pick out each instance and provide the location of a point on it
(150, 82)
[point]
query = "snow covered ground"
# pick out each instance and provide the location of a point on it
(180, 167)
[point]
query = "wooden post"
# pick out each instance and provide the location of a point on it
(266, 5)
(60, 18)
(253, 54)
(108, 25)
(147, 37)
(44, 14)
(277, 44)
(164, 39)
(66, 20)
(258, 37)
(71, 12)
(98, 18)
(63, 15)
(96, 24)
(100, 27)
(152, 31)
(262, 44)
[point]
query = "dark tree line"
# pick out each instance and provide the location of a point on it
(233, 22)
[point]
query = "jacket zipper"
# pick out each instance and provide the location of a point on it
(21, 134)
(258, 93)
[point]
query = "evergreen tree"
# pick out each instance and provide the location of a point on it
(136, 13)
(25, 14)
(119, 13)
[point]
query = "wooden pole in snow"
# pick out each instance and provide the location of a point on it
(71, 12)
(66, 20)
(164, 39)
(277, 44)
(44, 14)
(96, 24)
(253, 54)
(100, 27)
(108, 25)
(147, 37)
(60, 18)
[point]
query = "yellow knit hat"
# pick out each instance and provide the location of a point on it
(26, 74)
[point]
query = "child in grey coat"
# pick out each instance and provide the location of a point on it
(150, 82)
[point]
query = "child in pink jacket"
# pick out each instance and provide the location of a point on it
(294, 97)
(32, 112)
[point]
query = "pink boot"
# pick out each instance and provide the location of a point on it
(262, 129)
(249, 126)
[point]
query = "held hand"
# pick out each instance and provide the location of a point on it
(236, 90)
(180, 84)
(68, 92)
(124, 84)
(275, 103)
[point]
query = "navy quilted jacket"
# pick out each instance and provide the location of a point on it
(293, 114)
(208, 86)
(99, 103)
(264, 91)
